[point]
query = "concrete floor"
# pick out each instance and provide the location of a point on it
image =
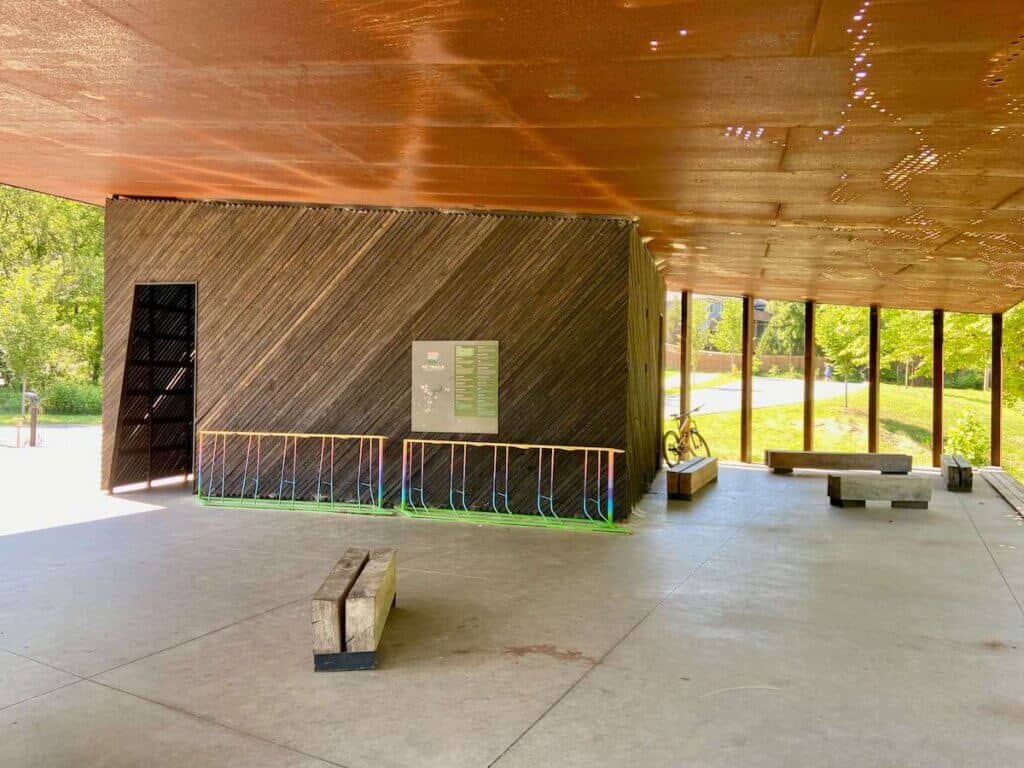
(754, 627)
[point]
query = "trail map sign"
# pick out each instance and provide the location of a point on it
(455, 386)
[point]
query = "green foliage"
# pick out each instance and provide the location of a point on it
(969, 438)
(67, 397)
(1013, 355)
(29, 330)
(842, 334)
(10, 400)
(728, 333)
(784, 334)
(906, 344)
(51, 288)
(966, 378)
(673, 318)
(967, 341)
(700, 326)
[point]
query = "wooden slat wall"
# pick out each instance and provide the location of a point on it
(306, 316)
(646, 302)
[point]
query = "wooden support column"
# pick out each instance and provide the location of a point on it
(747, 390)
(874, 375)
(997, 390)
(662, 364)
(685, 298)
(809, 376)
(938, 326)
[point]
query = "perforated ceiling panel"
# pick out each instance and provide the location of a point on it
(848, 151)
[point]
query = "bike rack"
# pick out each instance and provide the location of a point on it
(595, 508)
(306, 477)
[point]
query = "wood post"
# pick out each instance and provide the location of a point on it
(938, 329)
(747, 389)
(997, 389)
(874, 375)
(661, 386)
(809, 376)
(685, 297)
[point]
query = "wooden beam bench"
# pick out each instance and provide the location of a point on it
(350, 609)
(1004, 484)
(784, 462)
(684, 480)
(856, 490)
(957, 472)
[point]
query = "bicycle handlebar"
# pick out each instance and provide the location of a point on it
(682, 416)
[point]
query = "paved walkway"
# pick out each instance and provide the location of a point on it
(56, 483)
(756, 626)
(768, 392)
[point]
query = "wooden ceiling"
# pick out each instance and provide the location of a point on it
(842, 150)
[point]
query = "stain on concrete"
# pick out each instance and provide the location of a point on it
(546, 649)
(997, 645)
(1007, 708)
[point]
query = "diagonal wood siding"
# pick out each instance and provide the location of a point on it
(646, 304)
(306, 315)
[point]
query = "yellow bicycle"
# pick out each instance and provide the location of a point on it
(684, 441)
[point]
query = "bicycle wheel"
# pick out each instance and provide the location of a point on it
(670, 447)
(698, 445)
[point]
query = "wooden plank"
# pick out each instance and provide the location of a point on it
(685, 480)
(369, 602)
(809, 376)
(854, 490)
(874, 375)
(887, 463)
(328, 605)
(1007, 487)
(997, 390)
(938, 332)
(747, 381)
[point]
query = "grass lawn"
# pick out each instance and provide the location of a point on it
(906, 417)
(11, 419)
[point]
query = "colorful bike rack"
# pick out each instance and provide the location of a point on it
(286, 470)
(593, 510)
(345, 473)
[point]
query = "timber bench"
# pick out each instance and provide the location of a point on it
(685, 479)
(784, 462)
(856, 490)
(350, 609)
(957, 473)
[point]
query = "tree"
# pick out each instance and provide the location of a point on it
(29, 325)
(1013, 355)
(728, 333)
(784, 334)
(968, 343)
(53, 248)
(907, 340)
(842, 334)
(700, 326)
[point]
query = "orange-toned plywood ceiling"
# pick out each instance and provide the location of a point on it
(840, 150)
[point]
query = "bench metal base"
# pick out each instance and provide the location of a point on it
(846, 502)
(895, 504)
(347, 661)
(344, 661)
